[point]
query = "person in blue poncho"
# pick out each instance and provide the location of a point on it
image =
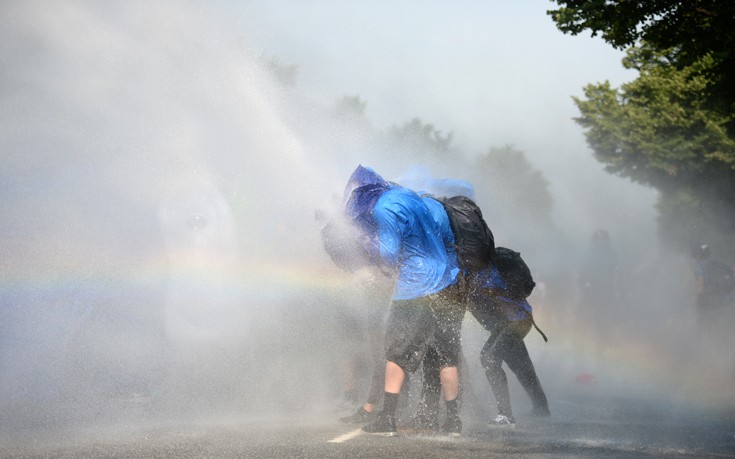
(397, 231)
(508, 318)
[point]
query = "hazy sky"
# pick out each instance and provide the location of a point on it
(493, 72)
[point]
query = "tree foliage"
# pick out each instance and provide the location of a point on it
(658, 130)
(673, 127)
(419, 139)
(513, 184)
(351, 106)
(690, 29)
(284, 74)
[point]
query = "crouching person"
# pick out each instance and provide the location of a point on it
(507, 316)
(396, 231)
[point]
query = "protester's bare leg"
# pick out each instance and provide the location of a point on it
(394, 376)
(385, 422)
(450, 382)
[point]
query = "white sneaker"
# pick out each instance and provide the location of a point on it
(503, 421)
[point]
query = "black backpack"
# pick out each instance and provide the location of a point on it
(517, 276)
(719, 278)
(514, 271)
(473, 240)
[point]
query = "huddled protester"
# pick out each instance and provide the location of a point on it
(443, 258)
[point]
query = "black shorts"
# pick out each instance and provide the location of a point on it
(414, 325)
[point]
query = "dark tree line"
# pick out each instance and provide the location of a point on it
(673, 127)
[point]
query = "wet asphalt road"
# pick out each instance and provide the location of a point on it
(583, 428)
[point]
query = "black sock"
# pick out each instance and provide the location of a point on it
(452, 407)
(390, 401)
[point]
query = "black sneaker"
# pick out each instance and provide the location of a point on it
(423, 422)
(541, 413)
(360, 417)
(452, 426)
(384, 424)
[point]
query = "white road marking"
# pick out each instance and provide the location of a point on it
(347, 436)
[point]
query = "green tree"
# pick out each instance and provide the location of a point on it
(351, 106)
(282, 73)
(658, 130)
(510, 182)
(690, 29)
(421, 140)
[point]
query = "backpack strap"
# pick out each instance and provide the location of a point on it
(546, 340)
(530, 316)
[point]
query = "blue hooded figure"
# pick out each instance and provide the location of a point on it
(398, 231)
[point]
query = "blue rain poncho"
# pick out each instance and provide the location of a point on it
(422, 182)
(399, 232)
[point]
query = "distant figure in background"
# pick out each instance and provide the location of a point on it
(714, 285)
(598, 284)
